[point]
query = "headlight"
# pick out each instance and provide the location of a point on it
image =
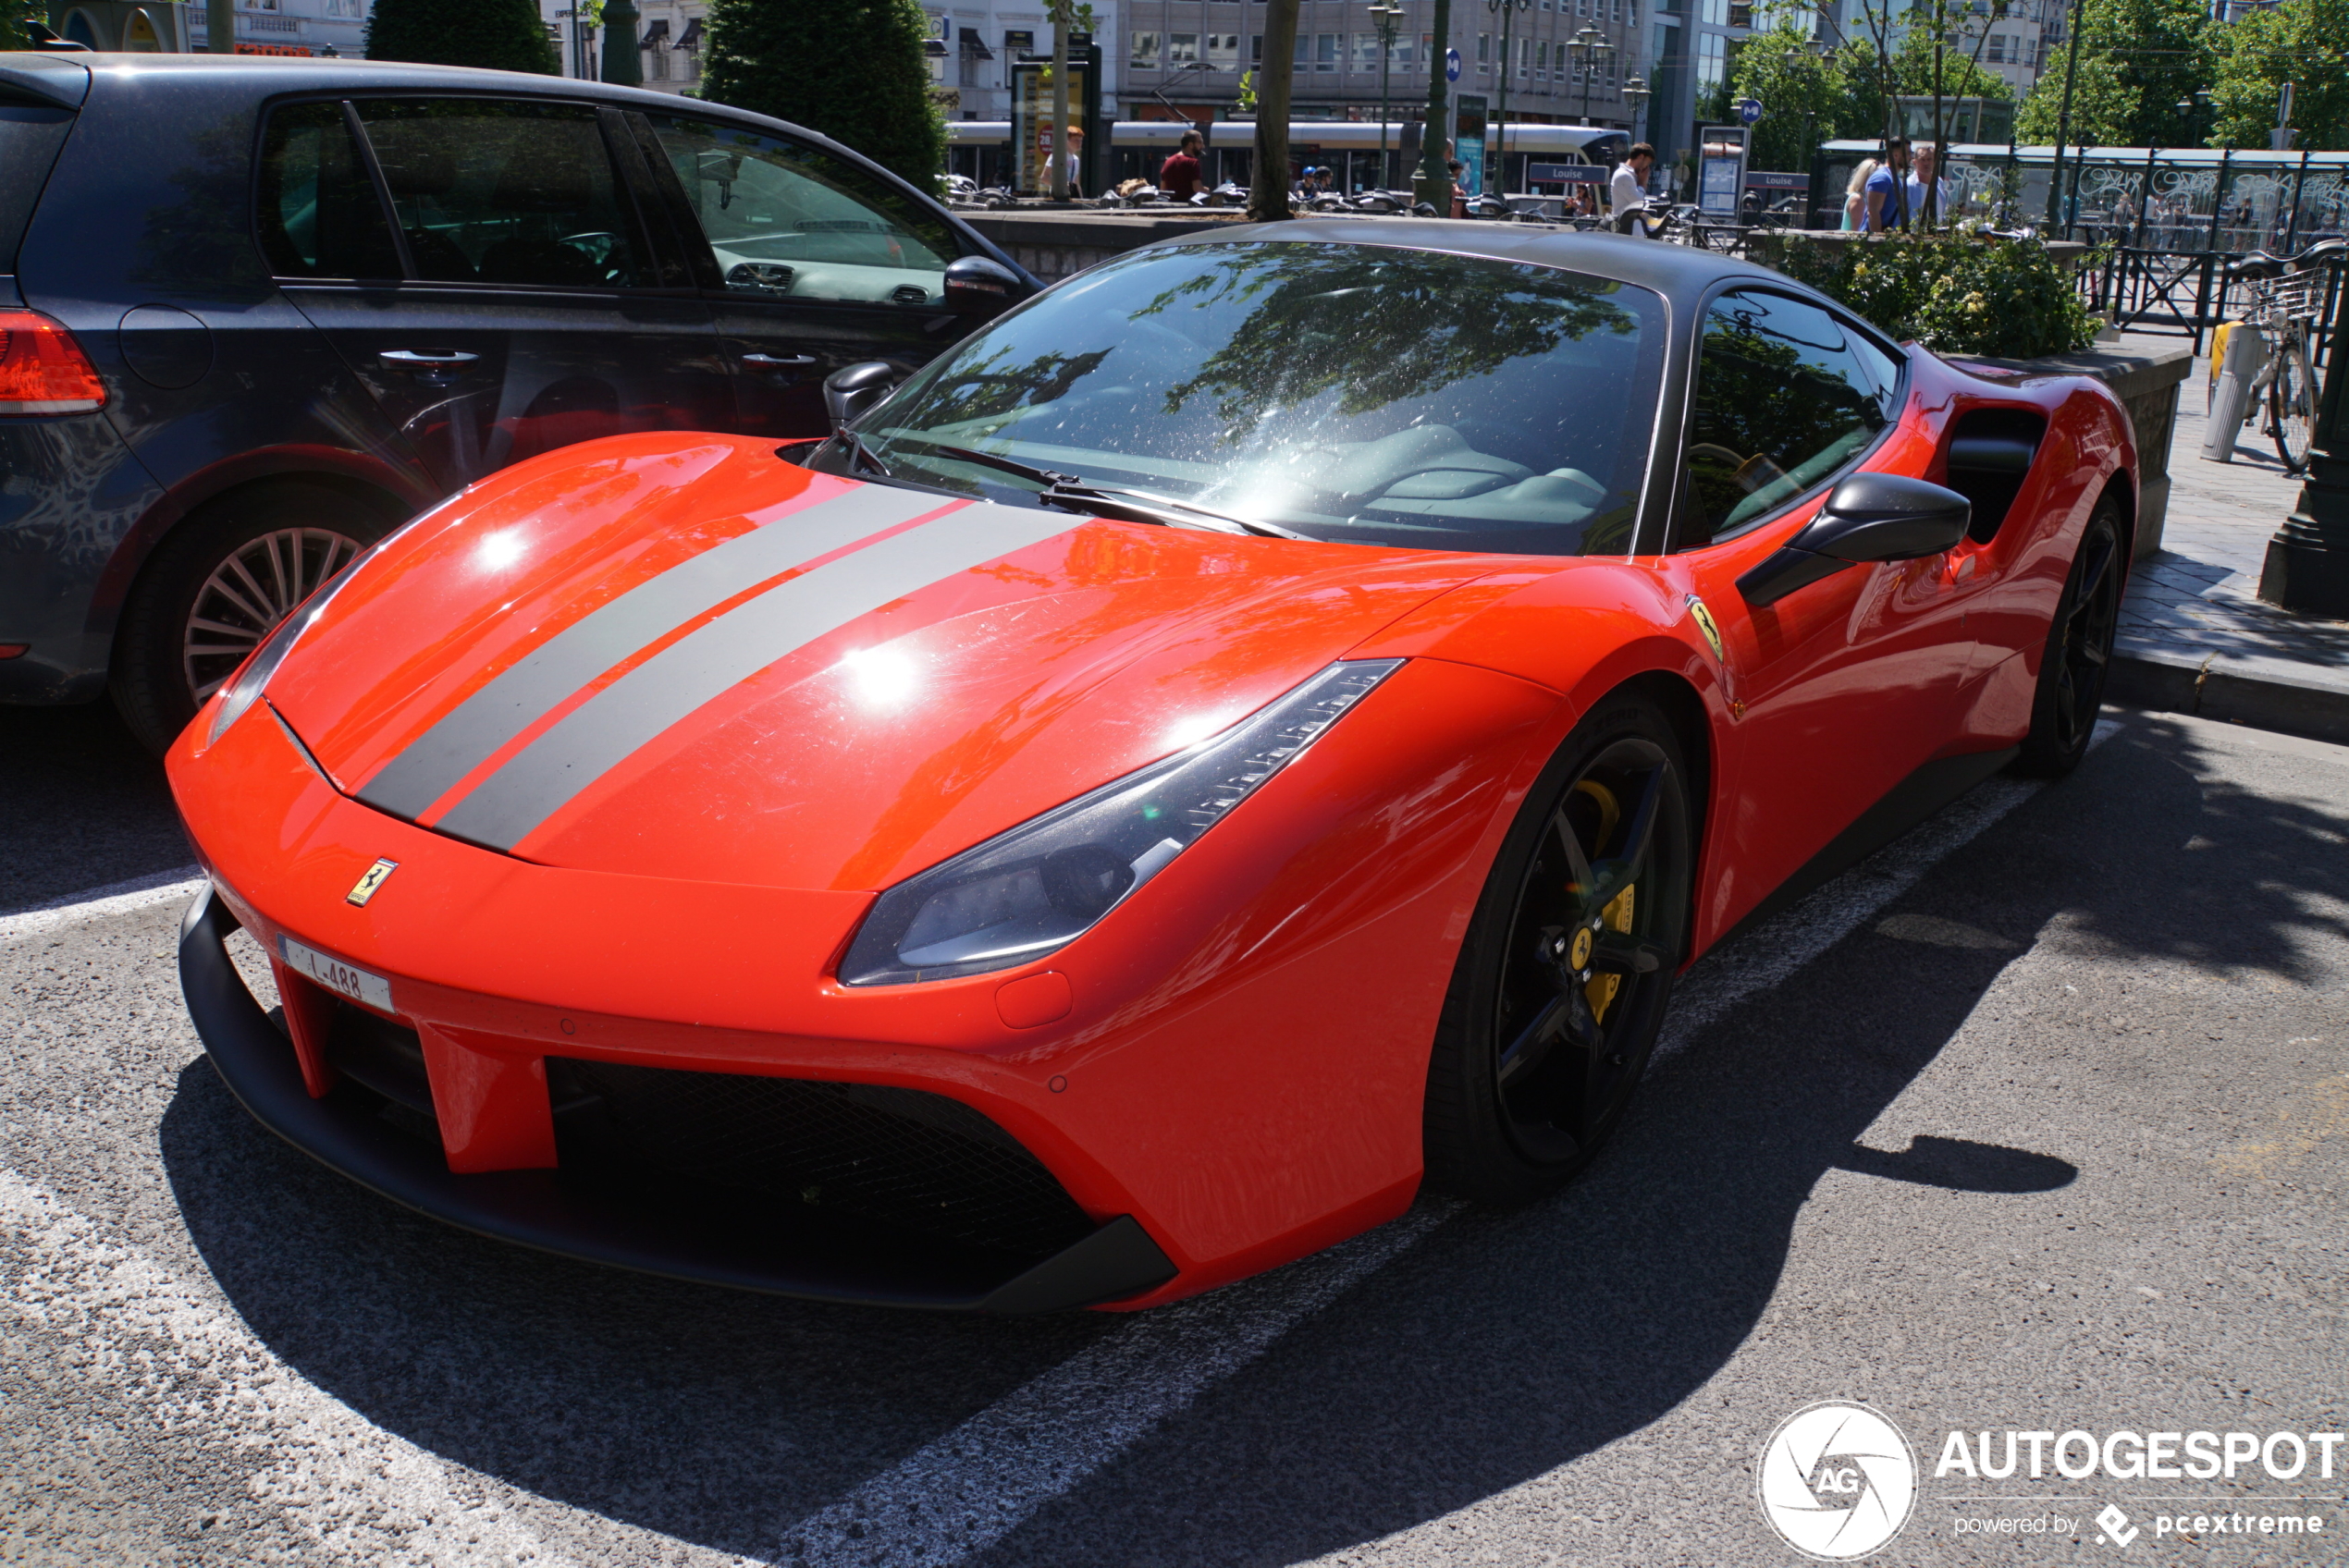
(1044, 883)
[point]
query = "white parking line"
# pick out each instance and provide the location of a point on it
(363, 1495)
(960, 1494)
(93, 903)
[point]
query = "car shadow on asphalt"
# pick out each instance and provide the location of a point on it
(1505, 1345)
(86, 807)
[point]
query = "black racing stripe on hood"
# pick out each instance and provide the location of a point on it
(476, 728)
(545, 775)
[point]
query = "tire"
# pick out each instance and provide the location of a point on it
(2292, 404)
(218, 582)
(2079, 652)
(1536, 1055)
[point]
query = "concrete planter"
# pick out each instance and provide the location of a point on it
(2148, 381)
(1054, 242)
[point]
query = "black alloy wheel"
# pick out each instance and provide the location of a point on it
(2079, 654)
(1563, 982)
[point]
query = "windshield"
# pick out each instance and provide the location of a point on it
(1346, 392)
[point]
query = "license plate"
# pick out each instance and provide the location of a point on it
(336, 976)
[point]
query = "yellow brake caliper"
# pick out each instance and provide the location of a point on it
(1600, 991)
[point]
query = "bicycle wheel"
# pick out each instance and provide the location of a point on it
(2291, 405)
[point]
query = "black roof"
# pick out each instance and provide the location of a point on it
(268, 75)
(1675, 270)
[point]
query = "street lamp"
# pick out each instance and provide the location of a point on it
(1636, 95)
(1587, 46)
(1388, 20)
(1498, 171)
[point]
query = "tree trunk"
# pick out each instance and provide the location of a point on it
(1056, 178)
(1433, 184)
(1268, 176)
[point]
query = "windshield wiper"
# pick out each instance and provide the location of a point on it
(860, 453)
(1079, 495)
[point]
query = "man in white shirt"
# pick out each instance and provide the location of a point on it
(1627, 186)
(1922, 180)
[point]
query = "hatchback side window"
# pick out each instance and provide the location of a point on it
(1785, 396)
(788, 220)
(318, 212)
(506, 193)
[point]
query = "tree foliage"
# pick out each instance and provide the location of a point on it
(851, 69)
(2138, 58)
(501, 35)
(1850, 90)
(2302, 41)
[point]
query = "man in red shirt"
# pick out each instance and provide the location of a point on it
(1178, 177)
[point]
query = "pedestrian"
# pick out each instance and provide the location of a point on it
(1178, 177)
(1459, 193)
(1885, 203)
(1922, 183)
(1855, 195)
(1627, 186)
(1062, 177)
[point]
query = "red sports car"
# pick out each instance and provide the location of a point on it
(1249, 734)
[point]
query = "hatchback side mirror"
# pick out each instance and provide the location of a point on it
(1870, 516)
(981, 285)
(852, 389)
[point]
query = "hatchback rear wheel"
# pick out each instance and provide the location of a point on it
(219, 583)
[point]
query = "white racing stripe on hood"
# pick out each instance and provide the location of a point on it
(545, 775)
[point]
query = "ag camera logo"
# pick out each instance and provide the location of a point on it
(1837, 1481)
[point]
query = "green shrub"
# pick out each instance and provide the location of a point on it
(852, 70)
(1962, 292)
(501, 35)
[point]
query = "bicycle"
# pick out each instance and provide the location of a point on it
(2287, 299)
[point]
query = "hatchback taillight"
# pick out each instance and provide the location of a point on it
(42, 369)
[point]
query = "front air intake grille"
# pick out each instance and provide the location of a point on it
(902, 1158)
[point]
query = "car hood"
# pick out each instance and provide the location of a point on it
(682, 658)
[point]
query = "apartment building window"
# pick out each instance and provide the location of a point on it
(1255, 48)
(1325, 50)
(1365, 55)
(1427, 52)
(1484, 53)
(1182, 48)
(1224, 51)
(1712, 52)
(1144, 52)
(1542, 60)
(1995, 52)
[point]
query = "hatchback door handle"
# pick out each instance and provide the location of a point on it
(425, 359)
(773, 361)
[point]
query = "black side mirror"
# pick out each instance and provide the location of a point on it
(981, 285)
(1870, 516)
(852, 389)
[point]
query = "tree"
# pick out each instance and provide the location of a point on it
(1268, 172)
(501, 35)
(851, 69)
(1803, 96)
(2299, 42)
(2138, 58)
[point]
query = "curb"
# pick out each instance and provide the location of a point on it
(2215, 688)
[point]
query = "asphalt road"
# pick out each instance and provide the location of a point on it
(2039, 1123)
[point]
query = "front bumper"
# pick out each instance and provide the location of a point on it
(548, 1210)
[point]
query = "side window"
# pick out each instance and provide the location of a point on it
(317, 208)
(1784, 397)
(491, 192)
(787, 221)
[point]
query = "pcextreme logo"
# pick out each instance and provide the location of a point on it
(1837, 1481)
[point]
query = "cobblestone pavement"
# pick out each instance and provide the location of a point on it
(2194, 615)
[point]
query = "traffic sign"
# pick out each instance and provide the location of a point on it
(1451, 65)
(1749, 110)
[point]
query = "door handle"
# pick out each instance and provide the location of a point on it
(425, 359)
(773, 361)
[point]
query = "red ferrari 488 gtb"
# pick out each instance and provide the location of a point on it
(1252, 732)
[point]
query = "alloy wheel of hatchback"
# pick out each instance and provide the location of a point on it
(247, 594)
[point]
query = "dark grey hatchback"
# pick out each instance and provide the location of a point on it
(255, 312)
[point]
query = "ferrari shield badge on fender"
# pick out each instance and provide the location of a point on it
(1704, 624)
(364, 888)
